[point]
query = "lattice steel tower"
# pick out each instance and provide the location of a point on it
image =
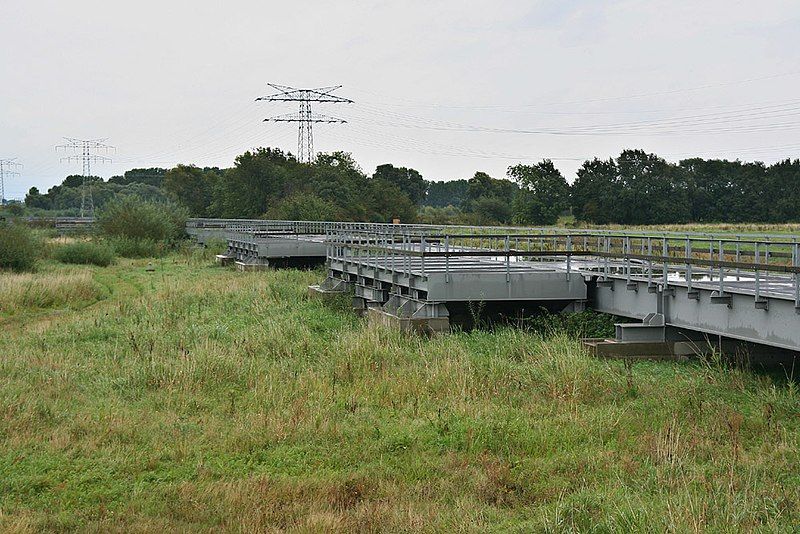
(6, 170)
(305, 117)
(85, 150)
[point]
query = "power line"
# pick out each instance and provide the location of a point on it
(719, 122)
(6, 169)
(85, 151)
(305, 117)
(415, 103)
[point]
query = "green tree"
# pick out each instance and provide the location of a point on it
(488, 200)
(407, 180)
(191, 187)
(34, 199)
(257, 179)
(782, 190)
(490, 210)
(389, 202)
(152, 176)
(302, 207)
(443, 194)
(652, 190)
(543, 195)
(596, 191)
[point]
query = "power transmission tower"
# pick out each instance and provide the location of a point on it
(85, 151)
(6, 169)
(305, 117)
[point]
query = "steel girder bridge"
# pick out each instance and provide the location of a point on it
(64, 224)
(685, 292)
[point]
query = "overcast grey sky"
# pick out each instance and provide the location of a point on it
(446, 87)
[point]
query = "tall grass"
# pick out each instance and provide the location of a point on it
(85, 253)
(205, 399)
(20, 248)
(129, 247)
(51, 290)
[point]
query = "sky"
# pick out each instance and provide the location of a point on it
(446, 87)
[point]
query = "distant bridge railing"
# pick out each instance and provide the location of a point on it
(63, 223)
(323, 227)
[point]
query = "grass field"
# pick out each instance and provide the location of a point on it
(196, 398)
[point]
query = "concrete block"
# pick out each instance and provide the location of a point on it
(224, 260)
(326, 295)
(426, 325)
(634, 350)
(251, 267)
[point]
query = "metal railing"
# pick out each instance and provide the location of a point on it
(765, 265)
(727, 264)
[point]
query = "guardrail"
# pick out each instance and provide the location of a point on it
(763, 267)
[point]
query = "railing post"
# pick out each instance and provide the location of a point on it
(757, 273)
(626, 250)
(688, 253)
(422, 248)
(665, 261)
(569, 256)
(795, 264)
(447, 259)
(721, 268)
(508, 261)
(738, 258)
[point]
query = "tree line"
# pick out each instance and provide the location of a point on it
(634, 188)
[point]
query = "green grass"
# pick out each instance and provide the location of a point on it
(50, 289)
(197, 398)
(85, 253)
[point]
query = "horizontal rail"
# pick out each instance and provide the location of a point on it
(580, 253)
(486, 231)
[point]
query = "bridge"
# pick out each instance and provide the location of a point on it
(680, 292)
(63, 224)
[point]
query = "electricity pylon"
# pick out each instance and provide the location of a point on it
(6, 170)
(85, 151)
(305, 117)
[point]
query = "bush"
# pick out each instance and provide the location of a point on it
(85, 253)
(216, 245)
(135, 219)
(138, 248)
(20, 248)
(587, 323)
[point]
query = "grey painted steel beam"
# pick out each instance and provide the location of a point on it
(779, 326)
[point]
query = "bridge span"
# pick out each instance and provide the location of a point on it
(683, 291)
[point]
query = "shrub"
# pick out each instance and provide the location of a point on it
(138, 248)
(216, 245)
(137, 219)
(587, 323)
(85, 253)
(20, 248)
